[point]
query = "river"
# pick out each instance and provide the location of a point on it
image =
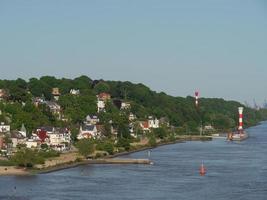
(235, 170)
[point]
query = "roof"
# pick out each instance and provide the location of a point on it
(103, 95)
(89, 117)
(47, 128)
(52, 104)
(62, 130)
(16, 134)
(88, 127)
(23, 129)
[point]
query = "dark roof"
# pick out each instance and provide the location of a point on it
(88, 127)
(47, 128)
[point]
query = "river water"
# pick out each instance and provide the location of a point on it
(235, 170)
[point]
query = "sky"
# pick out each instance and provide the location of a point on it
(218, 47)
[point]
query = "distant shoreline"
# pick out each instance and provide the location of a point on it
(103, 159)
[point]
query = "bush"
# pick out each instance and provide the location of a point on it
(49, 153)
(152, 141)
(85, 147)
(125, 143)
(27, 158)
(105, 146)
(6, 163)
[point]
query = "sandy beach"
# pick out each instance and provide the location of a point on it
(11, 170)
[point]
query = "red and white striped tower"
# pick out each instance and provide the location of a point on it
(240, 111)
(196, 98)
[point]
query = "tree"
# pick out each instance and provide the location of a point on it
(102, 87)
(86, 147)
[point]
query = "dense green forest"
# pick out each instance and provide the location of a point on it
(181, 112)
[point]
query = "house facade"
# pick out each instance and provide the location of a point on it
(56, 93)
(87, 131)
(4, 128)
(153, 122)
(102, 98)
(75, 92)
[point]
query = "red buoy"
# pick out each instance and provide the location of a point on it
(202, 170)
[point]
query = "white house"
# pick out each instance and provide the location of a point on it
(17, 138)
(54, 108)
(55, 93)
(153, 122)
(4, 128)
(125, 105)
(101, 99)
(74, 92)
(100, 105)
(87, 131)
(59, 139)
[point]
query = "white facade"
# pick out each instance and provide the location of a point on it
(74, 92)
(100, 105)
(132, 117)
(30, 143)
(125, 105)
(153, 123)
(58, 138)
(4, 128)
(88, 131)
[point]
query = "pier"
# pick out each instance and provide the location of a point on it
(119, 161)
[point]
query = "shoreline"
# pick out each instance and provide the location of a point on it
(16, 171)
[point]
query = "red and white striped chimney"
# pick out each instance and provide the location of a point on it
(196, 98)
(240, 111)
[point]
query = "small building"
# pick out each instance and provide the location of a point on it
(125, 105)
(153, 122)
(75, 92)
(100, 106)
(121, 105)
(164, 121)
(17, 138)
(102, 98)
(208, 128)
(3, 94)
(37, 101)
(54, 108)
(56, 93)
(4, 128)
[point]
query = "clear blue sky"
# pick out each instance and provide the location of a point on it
(216, 46)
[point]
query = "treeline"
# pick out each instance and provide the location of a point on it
(181, 112)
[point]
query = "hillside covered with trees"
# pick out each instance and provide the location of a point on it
(18, 107)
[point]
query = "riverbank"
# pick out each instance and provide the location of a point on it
(73, 159)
